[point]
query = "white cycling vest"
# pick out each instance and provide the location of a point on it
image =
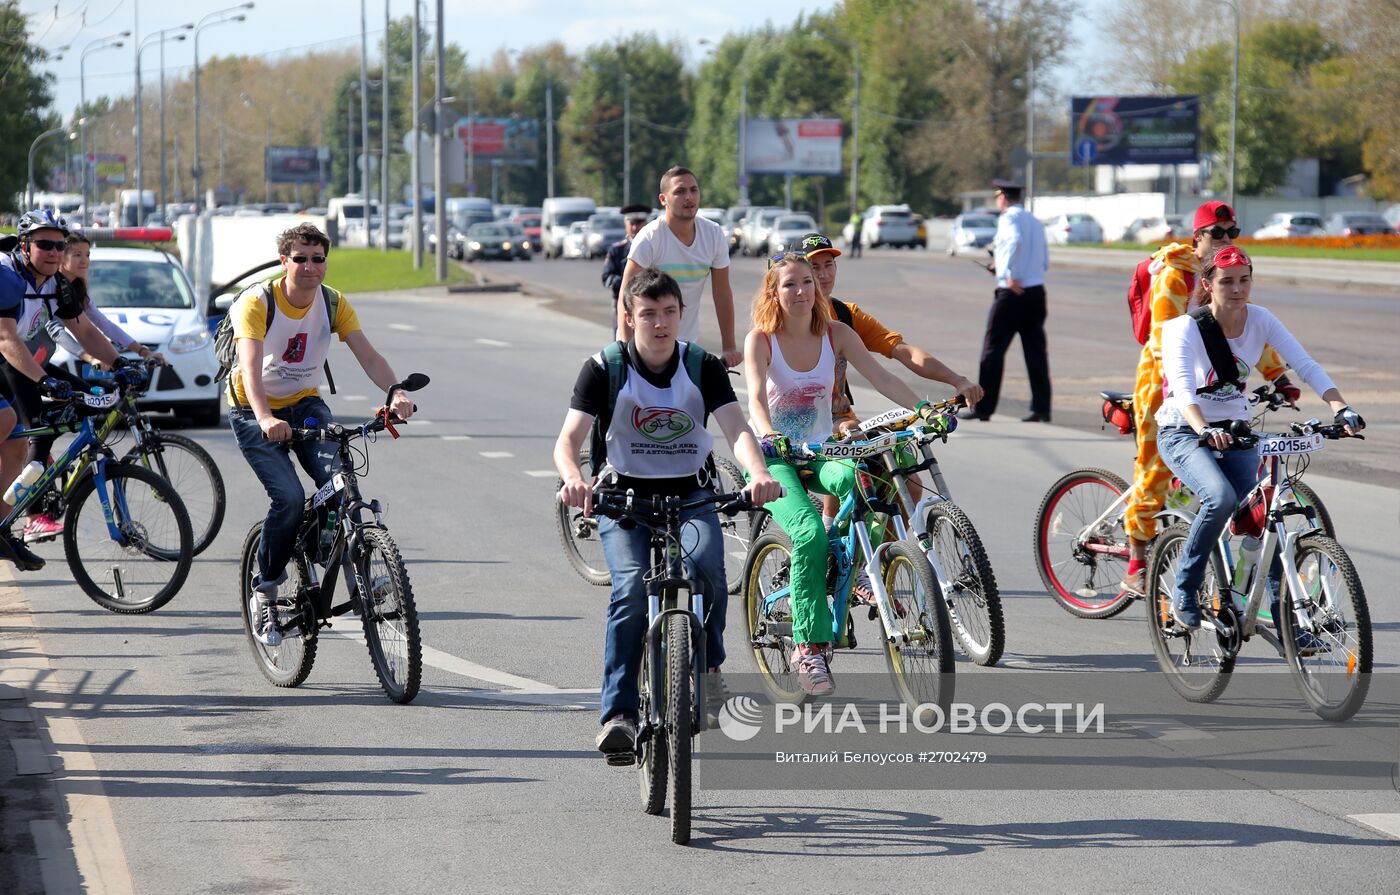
(294, 350)
(799, 402)
(659, 433)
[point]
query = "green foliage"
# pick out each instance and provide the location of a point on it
(24, 99)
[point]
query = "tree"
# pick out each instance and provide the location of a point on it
(24, 99)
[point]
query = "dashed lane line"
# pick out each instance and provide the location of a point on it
(456, 438)
(1389, 824)
(496, 455)
(403, 327)
(542, 473)
(493, 343)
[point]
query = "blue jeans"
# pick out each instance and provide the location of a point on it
(628, 553)
(272, 464)
(1220, 482)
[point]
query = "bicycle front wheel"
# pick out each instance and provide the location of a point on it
(974, 605)
(740, 529)
(920, 654)
(389, 615)
(138, 561)
(1083, 567)
(1332, 663)
(289, 663)
(652, 753)
(680, 718)
(1196, 663)
(193, 474)
(767, 571)
(1307, 497)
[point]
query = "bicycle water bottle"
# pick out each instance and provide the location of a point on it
(328, 533)
(1247, 563)
(26, 478)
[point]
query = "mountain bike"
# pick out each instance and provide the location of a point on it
(945, 533)
(341, 534)
(1323, 628)
(578, 534)
(1080, 543)
(179, 460)
(672, 678)
(126, 534)
(913, 617)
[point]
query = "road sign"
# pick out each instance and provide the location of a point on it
(1085, 150)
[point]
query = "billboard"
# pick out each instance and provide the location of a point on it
(1134, 130)
(293, 164)
(793, 145)
(108, 168)
(506, 141)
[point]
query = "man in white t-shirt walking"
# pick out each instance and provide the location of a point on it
(692, 250)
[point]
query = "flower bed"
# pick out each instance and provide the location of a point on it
(1370, 241)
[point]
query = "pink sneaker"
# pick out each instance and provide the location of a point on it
(42, 528)
(813, 670)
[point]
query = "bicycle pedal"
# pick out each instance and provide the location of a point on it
(620, 759)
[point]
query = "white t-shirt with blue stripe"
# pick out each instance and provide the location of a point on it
(690, 265)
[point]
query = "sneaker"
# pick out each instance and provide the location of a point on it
(1187, 616)
(1136, 583)
(618, 734)
(262, 609)
(814, 670)
(13, 549)
(716, 695)
(1308, 644)
(861, 589)
(42, 528)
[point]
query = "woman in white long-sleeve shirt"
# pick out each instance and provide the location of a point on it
(77, 256)
(1197, 406)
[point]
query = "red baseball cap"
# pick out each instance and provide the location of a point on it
(1210, 213)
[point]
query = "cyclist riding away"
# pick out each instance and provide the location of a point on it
(1201, 399)
(283, 330)
(671, 462)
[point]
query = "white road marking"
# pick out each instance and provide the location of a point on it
(541, 473)
(456, 438)
(402, 326)
(496, 455)
(354, 397)
(1389, 824)
(494, 343)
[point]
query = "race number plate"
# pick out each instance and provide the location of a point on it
(854, 450)
(889, 417)
(1279, 445)
(102, 402)
(337, 483)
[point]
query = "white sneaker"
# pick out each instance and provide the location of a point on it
(262, 610)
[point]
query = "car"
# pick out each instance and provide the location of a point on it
(714, 214)
(787, 232)
(147, 293)
(888, 225)
(499, 241)
(573, 246)
(1064, 229)
(1157, 230)
(453, 239)
(731, 221)
(529, 222)
(603, 231)
(756, 227)
(1357, 223)
(1392, 215)
(971, 230)
(1290, 224)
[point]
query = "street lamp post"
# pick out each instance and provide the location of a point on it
(439, 174)
(384, 139)
(267, 144)
(416, 175)
(219, 17)
(549, 134)
(159, 37)
(741, 165)
(626, 138)
(33, 148)
(110, 42)
(1234, 96)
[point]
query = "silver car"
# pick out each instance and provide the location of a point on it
(603, 231)
(787, 232)
(1289, 225)
(1064, 229)
(756, 227)
(971, 231)
(889, 225)
(1357, 223)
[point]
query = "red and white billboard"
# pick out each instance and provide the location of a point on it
(793, 145)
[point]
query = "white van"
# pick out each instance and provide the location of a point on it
(345, 219)
(557, 215)
(132, 212)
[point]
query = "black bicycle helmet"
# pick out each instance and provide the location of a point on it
(40, 219)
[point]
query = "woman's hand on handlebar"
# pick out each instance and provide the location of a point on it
(762, 489)
(1215, 438)
(576, 493)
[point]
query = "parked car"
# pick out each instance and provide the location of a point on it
(1290, 224)
(1157, 230)
(495, 241)
(787, 232)
(733, 218)
(1392, 215)
(888, 225)
(714, 214)
(146, 293)
(1357, 223)
(1064, 229)
(573, 246)
(557, 219)
(756, 227)
(971, 230)
(529, 223)
(603, 231)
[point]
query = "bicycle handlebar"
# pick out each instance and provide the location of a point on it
(626, 504)
(1245, 438)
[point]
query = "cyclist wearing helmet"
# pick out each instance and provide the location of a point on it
(32, 295)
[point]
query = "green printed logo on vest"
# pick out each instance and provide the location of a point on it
(661, 424)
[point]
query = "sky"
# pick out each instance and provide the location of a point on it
(480, 27)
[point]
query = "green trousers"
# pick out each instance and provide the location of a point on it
(802, 522)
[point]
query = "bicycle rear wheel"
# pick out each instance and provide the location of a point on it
(652, 755)
(193, 474)
(389, 615)
(1196, 663)
(1332, 665)
(974, 605)
(920, 656)
(680, 718)
(578, 534)
(738, 530)
(146, 566)
(1083, 570)
(770, 629)
(288, 664)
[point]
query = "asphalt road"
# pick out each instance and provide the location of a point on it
(218, 782)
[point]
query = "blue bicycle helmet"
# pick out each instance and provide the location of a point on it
(40, 219)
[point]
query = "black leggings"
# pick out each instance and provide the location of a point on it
(23, 393)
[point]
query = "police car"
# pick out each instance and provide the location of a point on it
(146, 293)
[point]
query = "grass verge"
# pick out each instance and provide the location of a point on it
(1271, 251)
(373, 270)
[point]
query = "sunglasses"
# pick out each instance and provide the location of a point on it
(48, 245)
(302, 259)
(785, 257)
(1221, 232)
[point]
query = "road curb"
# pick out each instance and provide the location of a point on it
(483, 283)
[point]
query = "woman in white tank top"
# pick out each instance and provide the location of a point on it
(790, 367)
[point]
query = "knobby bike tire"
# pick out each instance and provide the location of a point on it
(766, 569)
(652, 755)
(289, 664)
(1085, 585)
(1308, 498)
(389, 616)
(974, 605)
(739, 529)
(680, 721)
(922, 667)
(155, 569)
(578, 535)
(1334, 677)
(1196, 664)
(206, 479)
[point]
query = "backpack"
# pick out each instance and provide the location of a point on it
(617, 376)
(226, 349)
(1140, 299)
(1218, 350)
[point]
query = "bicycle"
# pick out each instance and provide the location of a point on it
(671, 682)
(578, 534)
(1080, 543)
(947, 537)
(179, 460)
(334, 535)
(1325, 619)
(130, 549)
(914, 622)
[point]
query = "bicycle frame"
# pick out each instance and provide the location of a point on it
(86, 449)
(662, 601)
